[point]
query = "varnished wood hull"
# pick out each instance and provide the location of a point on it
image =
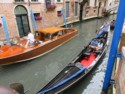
(40, 50)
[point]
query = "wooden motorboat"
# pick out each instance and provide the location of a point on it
(49, 39)
(77, 69)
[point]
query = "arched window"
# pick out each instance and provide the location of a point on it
(20, 10)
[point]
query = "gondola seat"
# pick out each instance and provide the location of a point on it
(86, 54)
(98, 51)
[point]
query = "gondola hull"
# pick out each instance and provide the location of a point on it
(75, 70)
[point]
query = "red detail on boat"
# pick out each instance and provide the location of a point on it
(88, 60)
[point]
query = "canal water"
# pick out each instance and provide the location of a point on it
(36, 73)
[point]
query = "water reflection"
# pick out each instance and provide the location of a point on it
(93, 82)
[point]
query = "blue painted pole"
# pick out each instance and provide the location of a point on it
(5, 28)
(115, 43)
(64, 17)
(33, 19)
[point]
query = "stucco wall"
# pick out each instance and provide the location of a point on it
(92, 2)
(7, 11)
(121, 79)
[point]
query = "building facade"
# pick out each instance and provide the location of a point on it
(47, 13)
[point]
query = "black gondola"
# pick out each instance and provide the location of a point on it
(77, 69)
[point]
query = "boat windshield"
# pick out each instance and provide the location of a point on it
(45, 35)
(58, 34)
(49, 36)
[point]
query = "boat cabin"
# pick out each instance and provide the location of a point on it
(50, 33)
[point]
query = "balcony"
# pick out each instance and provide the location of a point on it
(50, 7)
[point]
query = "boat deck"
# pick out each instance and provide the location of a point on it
(7, 50)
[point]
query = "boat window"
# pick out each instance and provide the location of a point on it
(42, 36)
(46, 36)
(54, 35)
(69, 30)
(64, 32)
(36, 33)
(60, 33)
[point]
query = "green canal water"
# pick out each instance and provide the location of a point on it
(36, 73)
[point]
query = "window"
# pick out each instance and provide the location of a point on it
(67, 9)
(76, 8)
(34, 0)
(37, 16)
(50, 4)
(55, 35)
(88, 2)
(58, 0)
(87, 13)
(19, 0)
(46, 36)
(19, 10)
(95, 2)
(64, 32)
(59, 13)
(50, 1)
(0, 24)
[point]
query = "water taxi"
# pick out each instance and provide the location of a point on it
(48, 38)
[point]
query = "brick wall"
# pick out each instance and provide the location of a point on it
(7, 11)
(49, 18)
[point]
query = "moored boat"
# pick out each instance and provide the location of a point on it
(77, 68)
(47, 38)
